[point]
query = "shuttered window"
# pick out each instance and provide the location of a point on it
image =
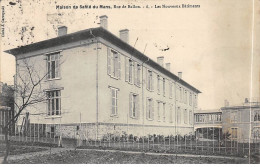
(114, 101)
(134, 105)
(170, 89)
(137, 74)
(149, 109)
(149, 79)
(113, 64)
(190, 117)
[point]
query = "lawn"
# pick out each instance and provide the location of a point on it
(107, 157)
(17, 148)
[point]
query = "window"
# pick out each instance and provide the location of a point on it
(185, 96)
(137, 74)
(185, 116)
(257, 115)
(149, 76)
(134, 105)
(180, 94)
(158, 84)
(149, 109)
(158, 110)
(190, 99)
(195, 101)
(170, 89)
(171, 114)
(190, 117)
(233, 117)
(53, 65)
(234, 133)
(113, 64)
(53, 102)
(179, 115)
(129, 70)
(163, 86)
(114, 101)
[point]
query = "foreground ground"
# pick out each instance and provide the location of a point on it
(111, 157)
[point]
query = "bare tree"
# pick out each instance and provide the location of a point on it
(28, 89)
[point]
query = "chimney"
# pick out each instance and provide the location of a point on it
(124, 35)
(103, 21)
(160, 60)
(180, 75)
(62, 30)
(168, 66)
(226, 103)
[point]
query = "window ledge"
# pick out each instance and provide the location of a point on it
(139, 86)
(52, 79)
(52, 117)
(133, 117)
(149, 119)
(113, 115)
(113, 77)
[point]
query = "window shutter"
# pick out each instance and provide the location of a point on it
(137, 107)
(152, 80)
(147, 108)
(119, 66)
(135, 73)
(108, 61)
(152, 109)
(47, 67)
(147, 78)
(130, 104)
(126, 69)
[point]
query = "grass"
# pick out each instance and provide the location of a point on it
(106, 157)
(20, 149)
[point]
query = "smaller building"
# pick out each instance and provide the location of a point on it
(208, 123)
(236, 120)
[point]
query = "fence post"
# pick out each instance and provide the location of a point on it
(34, 132)
(148, 141)
(196, 139)
(225, 144)
(169, 142)
(185, 142)
(191, 141)
(30, 127)
(207, 139)
(213, 137)
(164, 143)
(219, 140)
(202, 139)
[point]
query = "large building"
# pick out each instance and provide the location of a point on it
(94, 78)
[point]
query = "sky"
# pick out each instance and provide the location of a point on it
(210, 45)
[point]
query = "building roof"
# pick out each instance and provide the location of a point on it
(103, 33)
(207, 111)
(241, 107)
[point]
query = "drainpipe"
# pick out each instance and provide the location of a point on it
(97, 98)
(143, 94)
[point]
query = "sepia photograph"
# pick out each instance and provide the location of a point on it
(130, 82)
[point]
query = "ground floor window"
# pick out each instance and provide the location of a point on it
(149, 109)
(134, 105)
(53, 102)
(114, 101)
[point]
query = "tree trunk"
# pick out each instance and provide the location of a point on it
(7, 144)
